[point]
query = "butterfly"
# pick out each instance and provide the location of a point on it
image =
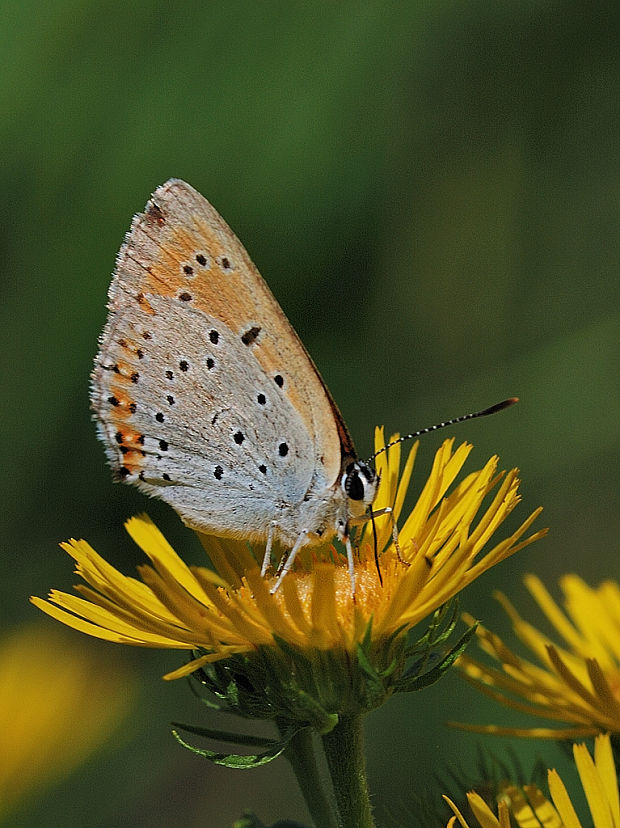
(205, 396)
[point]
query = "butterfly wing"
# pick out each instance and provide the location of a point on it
(204, 394)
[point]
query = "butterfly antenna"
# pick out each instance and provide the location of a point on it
(484, 413)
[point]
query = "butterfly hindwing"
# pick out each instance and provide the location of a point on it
(203, 392)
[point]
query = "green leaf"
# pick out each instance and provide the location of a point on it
(225, 735)
(236, 760)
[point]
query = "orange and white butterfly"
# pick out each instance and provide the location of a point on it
(205, 396)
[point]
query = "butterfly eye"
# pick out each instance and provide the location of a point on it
(354, 486)
(360, 482)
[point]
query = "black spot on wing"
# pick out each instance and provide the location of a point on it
(251, 335)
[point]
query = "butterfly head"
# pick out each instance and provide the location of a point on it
(359, 483)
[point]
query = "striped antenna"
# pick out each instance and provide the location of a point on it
(484, 413)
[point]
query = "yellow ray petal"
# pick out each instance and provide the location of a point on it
(593, 788)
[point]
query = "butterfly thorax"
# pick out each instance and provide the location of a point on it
(325, 512)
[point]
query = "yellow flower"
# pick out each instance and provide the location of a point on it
(232, 612)
(53, 712)
(577, 683)
(530, 808)
(485, 817)
(599, 782)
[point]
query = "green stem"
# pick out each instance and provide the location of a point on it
(300, 753)
(346, 760)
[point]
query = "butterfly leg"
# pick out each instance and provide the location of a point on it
(387, 510)
(267, 555)
(395, 536)
(286, 564)
(358, 521)
(351, 565)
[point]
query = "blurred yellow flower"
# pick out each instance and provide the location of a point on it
(58, 704)
(578, 682)
(531, 809)
(231, 612)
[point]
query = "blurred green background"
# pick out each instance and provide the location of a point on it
(430, 190)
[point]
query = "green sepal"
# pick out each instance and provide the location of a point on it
(442, 626)
(302, 704)
(250, 820)
(275, 747)
(322, 721)
(209, 703)
(366, 665)
(378, 682)
(415, 680)
(367, 639)
(363, 649)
